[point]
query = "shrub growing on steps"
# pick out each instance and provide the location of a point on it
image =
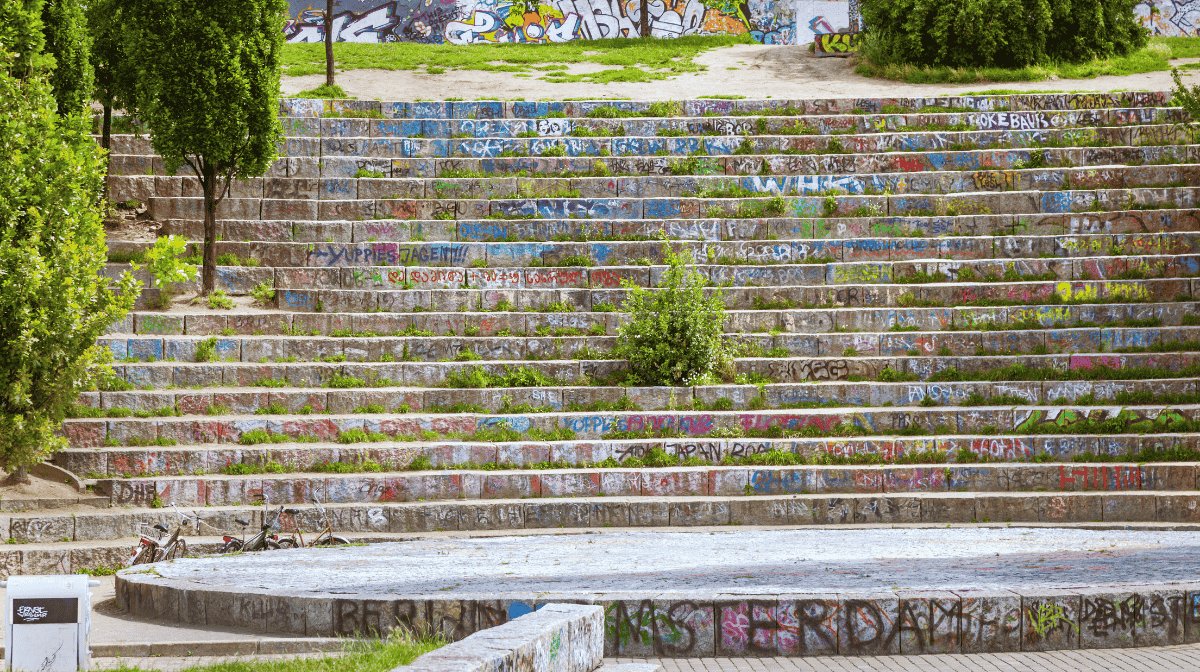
(673, 335)
(998, 33)
(209, 92)
(53, 301)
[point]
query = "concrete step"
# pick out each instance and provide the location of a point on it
(329, 456)
(302, 107)
(144, 187)
(904, 160)
(220, 496)
(1006, 202)
(958, 343)
(706, 126)
(846, 314)
(764, 369)
(900, 236)
(593, 425)
(225, 401)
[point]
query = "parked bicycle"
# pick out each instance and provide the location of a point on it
(263, 540)
(154, 548)
(326, 536)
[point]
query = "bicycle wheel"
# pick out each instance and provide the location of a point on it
(287, 543)
(144, 554)
(231, 546)
(332, 540)
(272, 545)
(178, 550)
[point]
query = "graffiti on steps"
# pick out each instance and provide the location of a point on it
(492, 22)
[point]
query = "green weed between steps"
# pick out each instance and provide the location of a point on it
(368, 655)
(632, 60)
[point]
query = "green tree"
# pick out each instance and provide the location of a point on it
(54, 302)
(68, 41)
(116, 74)
(673, 335)
(209, 92)
(21, 36)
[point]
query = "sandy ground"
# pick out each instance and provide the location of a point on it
(37, 488)
(753, 71)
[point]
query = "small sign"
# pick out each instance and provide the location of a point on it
(45, 610)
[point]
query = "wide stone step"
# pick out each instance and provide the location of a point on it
(847, 315)
(861, 143)
(145, 188)
(163, 375)
(567, 167)
(834, 390)
(263, 349)
(1003, 202)
(106, 541)
(677, 482)
(587, 425)
(715, 125)
(896, 238)
(302, 107)
(744, 298)
(708, 126)
(730, 266)
(324, 457)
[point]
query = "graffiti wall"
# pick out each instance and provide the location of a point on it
(1171, 18)
(541, 21)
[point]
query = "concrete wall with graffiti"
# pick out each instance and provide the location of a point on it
(499, 21)
(1171, 18)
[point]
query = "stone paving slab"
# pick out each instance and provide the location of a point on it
(1179, 658)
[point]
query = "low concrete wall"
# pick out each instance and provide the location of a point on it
(555, 638)
(706, 625)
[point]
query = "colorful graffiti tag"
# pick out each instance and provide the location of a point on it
(542, 21)
(1171, 18)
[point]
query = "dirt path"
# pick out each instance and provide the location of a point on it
(753, 71)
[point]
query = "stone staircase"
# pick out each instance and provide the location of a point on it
(947, 310)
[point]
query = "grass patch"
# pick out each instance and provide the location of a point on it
(632, 60)
(377, 655)
(1152, 58)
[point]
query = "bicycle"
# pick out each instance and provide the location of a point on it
(325, 538)
(151, 549)
(262, 541)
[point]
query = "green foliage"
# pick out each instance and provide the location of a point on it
(115, 73)
(67, 40)
(53, 301)
(673, 335)
(1003, 33)
(263, 294)
(324, 90)
(163, 262)
(206, 349)
(209, 91)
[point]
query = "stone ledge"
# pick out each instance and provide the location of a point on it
(554, 638)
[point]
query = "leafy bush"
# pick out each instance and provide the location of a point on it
(163, 262)
(673, 335)
(1003, 33)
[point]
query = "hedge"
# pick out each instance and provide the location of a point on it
(998, 33)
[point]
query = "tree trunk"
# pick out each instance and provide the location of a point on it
(645, 18)
(329, 43)
(19, 476)
(106, 129)
(208, 182)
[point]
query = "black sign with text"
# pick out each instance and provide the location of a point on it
(46, 610)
